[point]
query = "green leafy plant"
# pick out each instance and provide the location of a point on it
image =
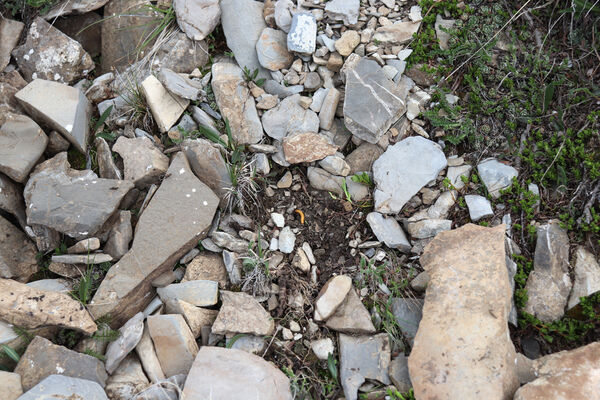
(363, 178)
(250, 76)
(396, 395)
(93, 353)
(255, 264)
(10, 352)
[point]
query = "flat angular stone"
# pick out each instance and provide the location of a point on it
(17, 253)
(235, 101)
(74, 7)
(207, 266)
(208, 165)
(343, 10)
(241, 313)
(465, 316)
(408, 314)
(148, 358)
(44, 358)
(106, 164)
(174, 343)
(144, 162)
(179, 85)
(307, 147)
(196, 317)
(27, 307)
(198, 293)
(363, 157)
(50, 54)
(22, 142)
(398, 33)
(60, 107)
(587, 276)
(351, 316)
(52, 285)
(11, 199)
(428, 228)
(366, 83)
(398, 372)
(455, 174)
(289, 117)
(10, 83)
(197, 18)
(84, 246)
(479, 207)
(496, 175)
(331, 296)
(10, 33)
(74, 202)
(388, 230)
(129, 336)
(178, 216)
(166, 107)
(302, 37)
(272, 51)
(65, 387)
(361, 358)
(224, 374)
(403, 170)
(119, 236)
(10, 385)
(127, 380)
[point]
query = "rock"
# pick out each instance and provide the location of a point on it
(331, 296)
(224, 374)
(347, 42)
(367, 84)
(58, 144)
(207, 266)
(408, 313)
(248, 343)
(323, 180)
(441, 26)
(548, 285)
(396, 34)
(289, 117)
(127, 380)
(282, 14)
(84, 246)
(74, 7)
(74, 202)
(242, 32)
(388, 230)
(420, 282)
(335, 164)
(178, 216)
(10, 383)
(398, 372)
(287, 240)
(10, 83)
(83, 28)
(106, 164)
(312, 82)
(428, 228)
(179, 85)
(479, 207)
(455, 175)
(465, 316)
(322, 348)
(328, 109)
(17, 254)
(496, 175)
(233, 266)
(363, 157)
(230, 242)
(197, 18)
(272, 51)
(70, 117)
(300, 261)
(361, 358)
(144, 162)
(174, 343)
(166, 107)
(306, 147)
(130, 335)
(196, 317)
(208, 165)
(50, 54)
(119, 236)
(234, 100)
(52, 285)
(285, 181)
(198, 293)
(64, 387)
(565, 375)
(403, 170)
(11, 199)
(10, 31)
(278, 219)
(43, 358)
(343, 10)
(302, 36)
(587, 276)
(351, 316)
(31, 308)
(241, 313)
(148, 358)
(442, 205)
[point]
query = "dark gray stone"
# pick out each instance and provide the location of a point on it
(408, 314)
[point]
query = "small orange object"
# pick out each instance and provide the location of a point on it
(301, 214)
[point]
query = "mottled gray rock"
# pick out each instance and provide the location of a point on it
(281, 91)
(323, 180)
(479, 207)
(10, 83)
(322, 348)
(408, 313)
(11, 199)
(235, 101)
(496, 175)
(224, 374)
(343, 10)
(228, 241)
(206, 266)
(442, 205)
(272, 51)
(198, 293)
(282, 14)
(548, 285)
(179, 85)
(148, 358)
(455, 174)
(196, 317)
(17, 253)
(367, 84)
(10, 32)
(175, 345)
(242, 313)
(388, 230)
(22, 142)
(144, 162)
(119, 236)
(74, 202)
(70, 116)
(197, 18)
(361, 358)
(44, 358)
(248, 343)
(302, 37)
(203, 118)
(64, 387)
(363, 157)
(351, 316)
(74, 7)
(242, 30)
(398, 372)
(179, 214)
(428, 228)
(129, 336)
(289, 117)
(52, 285)
(127, 380)
(233, 267)
(335, 164)
(50, 54)
(587, 276)
(287, 240)
(441, 26)
(403, 170)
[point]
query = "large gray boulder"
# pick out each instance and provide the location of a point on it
(65, 387)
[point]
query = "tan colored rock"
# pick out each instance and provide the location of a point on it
(174, 343)
(10, 33)
(17, 253)
(127, 380)
(307, 147)
(331, 296)
(166, 107)
(587, 276)
(196, 317)
(22, 142)
(207, 266)
(10, 385)
(300, 261)
(27, 307)
(351, 316)
(10, 83)
(398, 33)
(85, 246)
(241, 313)
(462, 349)
(347, 42)
(144, 162)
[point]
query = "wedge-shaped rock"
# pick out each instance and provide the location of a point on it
(65, 387)
(331, 296)
(74, 202)
(129, 336)
(60, 107)
(10, 32)
(234, 100)
(27, 307)
(144, 162)
(22, 142)
(74, 7)
(462, 349)
(174, 343)
(197, 18)
(224, 374)
(366, 83)
(10, 83)
(198, 293)
(177, 217)
(388, 230)
(196, 317)
(10, 385)
(17, 253)
(127, 380)
(242, 313)
(148, 358)
(44, 358)
(587, 276)
(351, 316)
(398, 33)
(166, 107)
(11, 199)
(289, 117)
